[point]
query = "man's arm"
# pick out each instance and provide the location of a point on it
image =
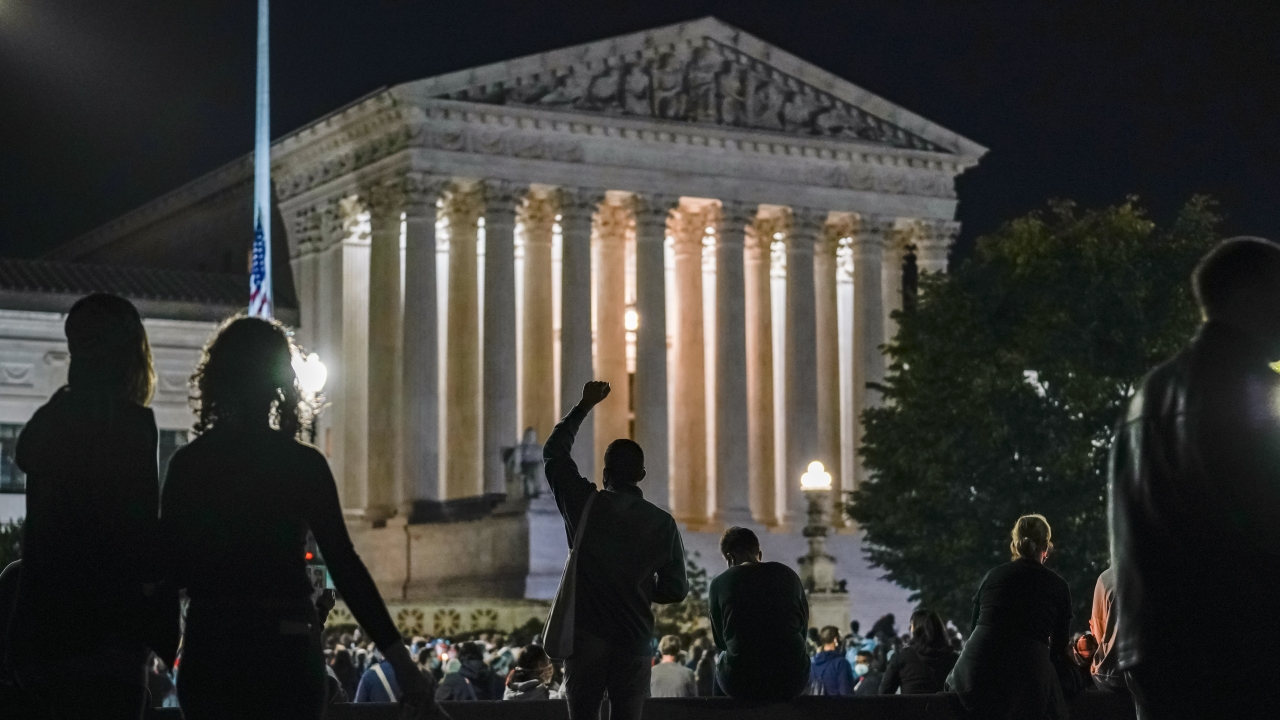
(717, 622)
(672, 583)
(569, 488)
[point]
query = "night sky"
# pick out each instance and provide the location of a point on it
(106, 105)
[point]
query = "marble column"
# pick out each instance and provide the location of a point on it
(828, 349)
(652, 419)
(868, 325)
(895, 252)
(933, 245)
(689, 376)
(611, 418)
(537, 354)
(577, 207)
(761, 474)
(385, 203)
(462, 360)
(733, 489)
(801, 357)
(353, 363)
(500, 430)
(420, 352)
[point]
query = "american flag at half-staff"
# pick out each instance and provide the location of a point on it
(260, 300)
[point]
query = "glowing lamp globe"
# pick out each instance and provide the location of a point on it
(311, 373)
(817, 479)
(631, 319)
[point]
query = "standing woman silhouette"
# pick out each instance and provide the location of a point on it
(238, 502)
(86, 603)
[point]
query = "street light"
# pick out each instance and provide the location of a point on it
(311, 374)
(631, 319)
(817, 568)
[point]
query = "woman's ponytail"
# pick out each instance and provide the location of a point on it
(1031, 537)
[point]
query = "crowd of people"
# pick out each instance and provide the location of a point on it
(1194, 516)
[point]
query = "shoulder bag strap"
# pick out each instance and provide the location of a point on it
(582, 521)
(377, 670)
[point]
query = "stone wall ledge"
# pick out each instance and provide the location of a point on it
(1094, 705)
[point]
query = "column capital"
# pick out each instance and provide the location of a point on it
(872, 232)
(579, 203)
(612, 221)
(502, 195)
(465, 203)
(422, 190)
(737, 214)
(652, 211)
(809, 223)
(384, 197)
(538, 214)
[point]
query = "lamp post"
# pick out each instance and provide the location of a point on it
(828, 600)
(312, 375)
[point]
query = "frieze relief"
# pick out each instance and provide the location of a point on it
(707, 83)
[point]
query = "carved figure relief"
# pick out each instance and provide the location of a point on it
(707, 83)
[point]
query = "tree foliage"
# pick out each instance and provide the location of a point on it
(1004, 386)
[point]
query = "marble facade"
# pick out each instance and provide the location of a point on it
(712, 224)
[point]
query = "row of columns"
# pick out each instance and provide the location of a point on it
(405, 434)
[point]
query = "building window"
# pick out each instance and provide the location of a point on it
(12, 480)
(170, 441)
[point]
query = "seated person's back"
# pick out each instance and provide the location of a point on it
(759, 617)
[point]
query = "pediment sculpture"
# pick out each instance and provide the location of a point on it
(708, 83)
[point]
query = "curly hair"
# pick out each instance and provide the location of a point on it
(245, 372)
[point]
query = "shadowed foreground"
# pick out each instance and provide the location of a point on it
(1086, 706)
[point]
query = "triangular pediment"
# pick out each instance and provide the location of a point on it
(704, 72)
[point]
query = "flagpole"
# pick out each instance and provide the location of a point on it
(260, 291)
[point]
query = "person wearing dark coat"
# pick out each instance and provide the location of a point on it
(1195, 502)
(1021, 617)
(239, 501)
(759, 618)
(473, 681)
(631, 556)
(922, 665)
(88, 608)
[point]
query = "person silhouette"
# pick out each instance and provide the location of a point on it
(91, 535)
(238, 502)
(1195, 501)
(631, 555)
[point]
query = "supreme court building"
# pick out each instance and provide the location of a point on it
(714, 226)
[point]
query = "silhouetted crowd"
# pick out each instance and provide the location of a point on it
(119, 574)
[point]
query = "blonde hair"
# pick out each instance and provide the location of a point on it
(1031, 536)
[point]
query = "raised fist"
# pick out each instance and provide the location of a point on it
(593, 392)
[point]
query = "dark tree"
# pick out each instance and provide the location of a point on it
(1005, 383)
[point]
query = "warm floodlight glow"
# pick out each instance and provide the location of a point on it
(311, 373)
(816, 479)
(631, 319)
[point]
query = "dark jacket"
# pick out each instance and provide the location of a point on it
(475, 681)
(830, 674)
(91, 539)
(918, 671)
(1021, 617)
(759, 617)
(1195, 505)
(371, 689)
(632, 554)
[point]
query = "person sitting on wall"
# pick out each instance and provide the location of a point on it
(759, 619)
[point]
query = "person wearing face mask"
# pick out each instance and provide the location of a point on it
(861, 665)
